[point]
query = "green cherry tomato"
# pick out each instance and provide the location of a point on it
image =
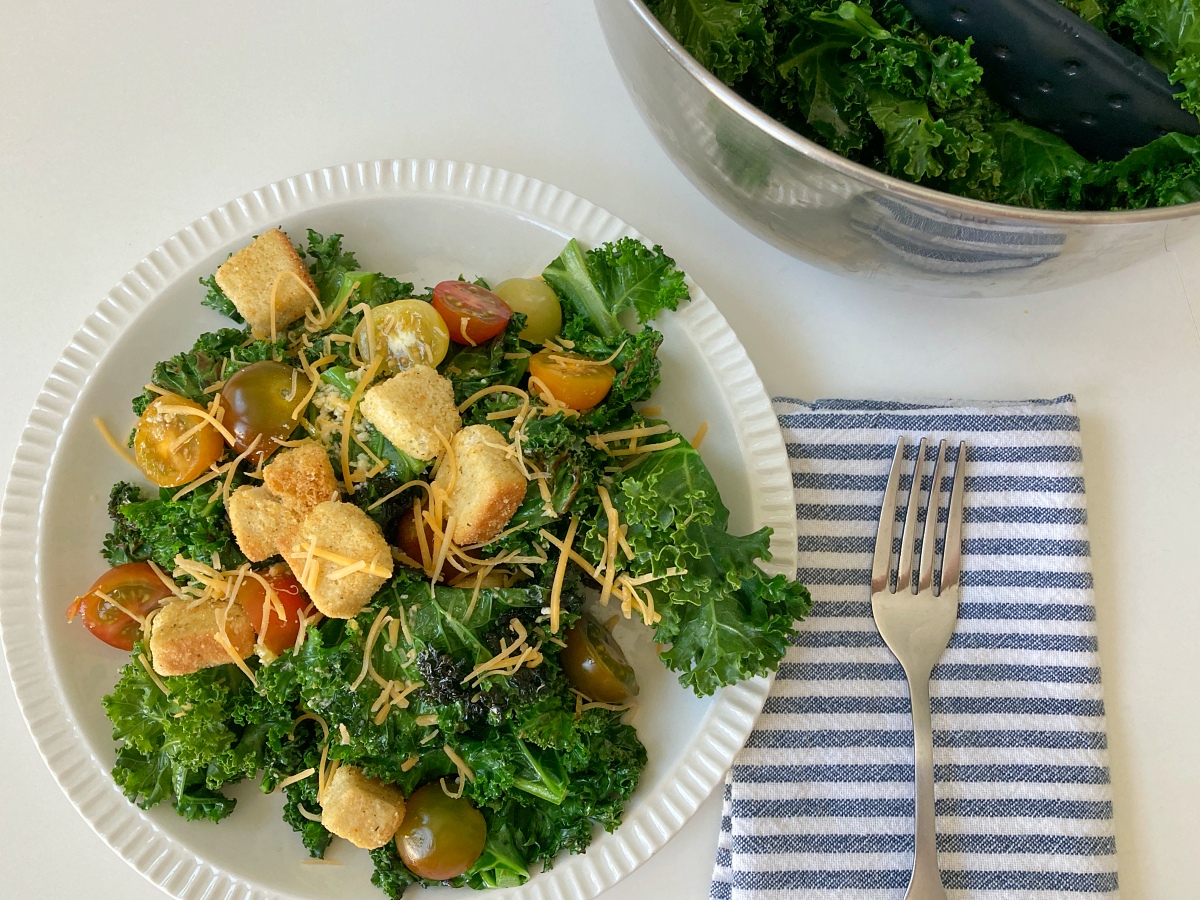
(440, 837)
(595, 665)
(539, 303)
(259, 400)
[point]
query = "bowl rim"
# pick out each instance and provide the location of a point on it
(751, 114)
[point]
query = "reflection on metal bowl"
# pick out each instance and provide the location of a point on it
(840, 215)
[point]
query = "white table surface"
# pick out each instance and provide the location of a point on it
(121, 122)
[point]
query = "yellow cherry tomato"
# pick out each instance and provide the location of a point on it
(572, 379)
(539, 303)
(173, 447)
(411, 332)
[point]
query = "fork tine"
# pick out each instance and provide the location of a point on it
(929, 537)
(909, 536)
(952, 555)
(881, 564)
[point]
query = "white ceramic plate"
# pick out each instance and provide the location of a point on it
(422, 221)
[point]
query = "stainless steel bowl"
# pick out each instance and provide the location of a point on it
(840, 215)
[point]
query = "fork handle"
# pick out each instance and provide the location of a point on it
(926, 881)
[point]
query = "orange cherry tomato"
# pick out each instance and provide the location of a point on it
(573, 380)
(281, 631)
(472, 313)
(407, 539)
(135, 587)
(173, 447)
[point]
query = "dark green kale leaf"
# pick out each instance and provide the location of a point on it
(1168, 31)
(185, 746)
(195, 526)
(725, 37)
(215, 356)
(723, 619)
(1164, 172)
(1041, 168)
(216, 299)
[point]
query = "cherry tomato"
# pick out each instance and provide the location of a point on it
(539, 303)
(157, 448)
(572, 379)
(595, 664)
(410, 332)
(135, 587)
(472, 313)
(259, 401)
(440, 837)
(280, 633)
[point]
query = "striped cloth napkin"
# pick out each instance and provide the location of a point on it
(819, 804)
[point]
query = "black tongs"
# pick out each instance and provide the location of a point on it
(1062, 74)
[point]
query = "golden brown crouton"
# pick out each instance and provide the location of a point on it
(302, 477)
(343, 536)
(183, 636)
(363, 810)
(261, 522)
(488, 484)
(251, 275)
(411, 409)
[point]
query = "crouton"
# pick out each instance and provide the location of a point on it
(183, 636)
(252, 275)
(261, 522)
(488, 484)
(363, 810)
(350, 536)
(411, 409)
(302, 477)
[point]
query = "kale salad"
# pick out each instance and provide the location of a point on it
(386, 535)
(865, 80)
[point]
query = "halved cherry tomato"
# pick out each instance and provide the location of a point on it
(595, 664)
(280, 633)
(135, 587)
(411, 332)
(173, 447)
(573, 380)
(472, 313)
(259, 401)
(440, 837)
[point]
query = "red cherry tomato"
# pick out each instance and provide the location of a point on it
(472, 313)
(135, 587)
(281, 631)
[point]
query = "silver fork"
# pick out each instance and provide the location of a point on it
(916, 623)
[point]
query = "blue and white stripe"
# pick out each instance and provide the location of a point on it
(819, 804)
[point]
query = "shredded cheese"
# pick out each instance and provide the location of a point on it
(559, 574)
(153, 675)
(112, 442)
(464, 770)
(299, 776)
(203, 414)
(700, 433)
(369, 646)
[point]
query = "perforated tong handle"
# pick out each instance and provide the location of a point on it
(1062, 74)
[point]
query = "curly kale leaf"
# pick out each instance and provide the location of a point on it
(215, 356)
(195, 526)
(185, 746)
(216, 299)
(726, 37)
(609, 279)
(1168, 31)
(596, 288)
(723, 619)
